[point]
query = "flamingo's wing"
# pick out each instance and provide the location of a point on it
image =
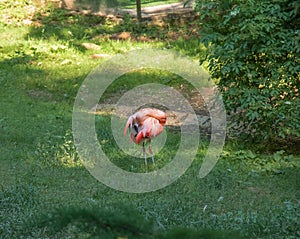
(157, 114)
(151, 128)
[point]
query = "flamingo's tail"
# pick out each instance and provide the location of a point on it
(129, 122)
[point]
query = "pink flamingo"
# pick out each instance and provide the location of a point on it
(144, 125)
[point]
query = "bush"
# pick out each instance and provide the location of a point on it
(253, 54)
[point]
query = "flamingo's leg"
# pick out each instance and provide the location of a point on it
(151, 152)
(145, 156)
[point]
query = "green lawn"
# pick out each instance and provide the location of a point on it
(45, 192)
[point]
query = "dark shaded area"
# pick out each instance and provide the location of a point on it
(117, 222)
(75, 27)
(98, 223)
(60, 24)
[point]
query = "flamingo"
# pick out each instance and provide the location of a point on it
(145, 125)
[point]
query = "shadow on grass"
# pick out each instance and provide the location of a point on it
(118, 221)
(74, 28)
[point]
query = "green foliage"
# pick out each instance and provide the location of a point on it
(253, 53)
(276, 163)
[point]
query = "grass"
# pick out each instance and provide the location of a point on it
(45, 192)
